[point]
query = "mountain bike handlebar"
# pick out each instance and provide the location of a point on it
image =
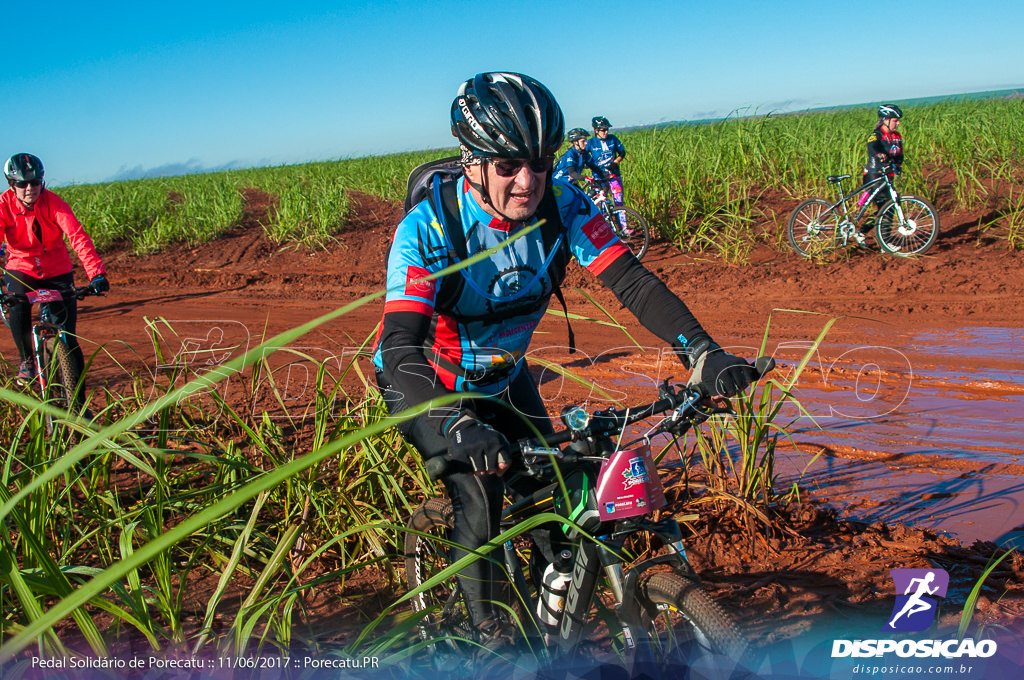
(41, 296)
(687, 404)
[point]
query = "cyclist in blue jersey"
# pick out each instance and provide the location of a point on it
(429, 346)
(575, 160)
(606, 152)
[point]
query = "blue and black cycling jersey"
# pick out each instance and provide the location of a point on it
(425, 352)
(571, 165)
(603, 152)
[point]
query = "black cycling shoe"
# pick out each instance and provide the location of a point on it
(498, 641)
(496, 634)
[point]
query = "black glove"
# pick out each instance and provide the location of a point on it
(477, 446)
(99, 284)
(717, 371)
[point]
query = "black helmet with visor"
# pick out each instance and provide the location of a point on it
(507, 115)
(889, 111)
(23, 167)
(577, 134)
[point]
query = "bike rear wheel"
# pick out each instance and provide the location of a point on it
(813, 229)
(683, 621)
(445, 619)
(631, 228)
(915, 234)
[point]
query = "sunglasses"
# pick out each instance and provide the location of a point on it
(27, 183)
(510, 168)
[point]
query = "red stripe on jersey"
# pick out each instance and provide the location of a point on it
(609, 255)
(446, 376)
(446, 344)
(417, 306)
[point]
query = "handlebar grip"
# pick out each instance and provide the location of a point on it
(436, 467)
(763, 365)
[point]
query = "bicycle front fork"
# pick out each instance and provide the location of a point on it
(40, 336)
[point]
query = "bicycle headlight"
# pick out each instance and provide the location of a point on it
(576, 418)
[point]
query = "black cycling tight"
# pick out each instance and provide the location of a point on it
(477, 499)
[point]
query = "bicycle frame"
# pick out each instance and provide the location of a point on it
(599, 194)
(604, 516)
(43, 332)
(873, 187)
(590, 558)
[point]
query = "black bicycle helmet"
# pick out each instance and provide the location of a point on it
(889, 111)
(507, 115)
(23, 167)
(577, 134)
(600, 123)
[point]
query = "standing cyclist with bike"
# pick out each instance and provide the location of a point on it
(885, 152)
(509, 127)
(33, 224)
(606, 152)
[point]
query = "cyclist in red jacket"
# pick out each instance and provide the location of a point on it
(33, 225)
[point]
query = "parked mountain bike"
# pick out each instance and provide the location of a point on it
(57, 376)
(904, 225)
(628, 224)
(658, 611)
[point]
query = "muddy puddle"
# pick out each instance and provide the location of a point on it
(893, 425)
(923, 429)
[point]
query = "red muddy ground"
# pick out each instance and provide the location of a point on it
(918, 388)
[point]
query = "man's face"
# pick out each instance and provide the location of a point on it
(514, 187)
(27, 192)
(601, 133)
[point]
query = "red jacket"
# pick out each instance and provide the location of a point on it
(35, 237)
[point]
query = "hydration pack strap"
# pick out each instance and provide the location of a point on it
(446, 203)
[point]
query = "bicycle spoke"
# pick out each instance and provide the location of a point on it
(913, 234)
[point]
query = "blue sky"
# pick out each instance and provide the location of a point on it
(118, 89)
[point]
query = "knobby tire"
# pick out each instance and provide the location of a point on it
(684, 622)
(445, 620)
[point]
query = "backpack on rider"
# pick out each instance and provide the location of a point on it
(436, 181)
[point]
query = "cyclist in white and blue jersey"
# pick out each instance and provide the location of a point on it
(606, 152)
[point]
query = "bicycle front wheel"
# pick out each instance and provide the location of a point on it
(66, 375)
(445, 619)
(631, 228)
(683, 621)
(914, 234)
(813, 228)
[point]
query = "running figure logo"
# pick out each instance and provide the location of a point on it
(914, 609)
